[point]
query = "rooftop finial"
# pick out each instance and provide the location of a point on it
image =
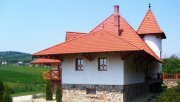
(149, 6)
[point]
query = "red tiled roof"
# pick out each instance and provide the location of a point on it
(44, 61)
(150, 25)
(103, 39)
(128, 34)
(73, 35)
(100, 41)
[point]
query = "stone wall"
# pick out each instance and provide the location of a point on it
(134, 90)
(171, 82)
(104, 93)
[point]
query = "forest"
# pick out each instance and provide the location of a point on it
(12, 57)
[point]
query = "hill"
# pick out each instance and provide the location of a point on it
(14, 56)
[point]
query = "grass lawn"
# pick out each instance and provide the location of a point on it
(23, 80)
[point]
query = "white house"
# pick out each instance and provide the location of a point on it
(20, 62)
(111, 63)
(4, 63)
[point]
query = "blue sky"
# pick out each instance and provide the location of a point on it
(33, 25)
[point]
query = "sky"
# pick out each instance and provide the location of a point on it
(33, 25)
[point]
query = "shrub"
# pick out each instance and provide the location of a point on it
(1, 90)
(170, 95)
(58, 95)
(5, 93)
(6, 96)
(49, 95)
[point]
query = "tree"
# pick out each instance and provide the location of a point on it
(171, 64)
(49, 95)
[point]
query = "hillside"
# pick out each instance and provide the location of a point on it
(14, 56)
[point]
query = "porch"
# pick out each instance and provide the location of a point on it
(53, 75)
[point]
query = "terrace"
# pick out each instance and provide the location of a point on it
(52, 75)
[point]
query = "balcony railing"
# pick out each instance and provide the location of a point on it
(171, 76)
(155, 76)
(51, 75)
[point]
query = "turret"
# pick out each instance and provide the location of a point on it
(151, 33)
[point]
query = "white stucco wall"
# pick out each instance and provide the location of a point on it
(133, 75)
(155, 43)
(90, 75)
(54, 66)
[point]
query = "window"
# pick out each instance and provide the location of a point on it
(90, 91)
(102, 64)
(79, 64)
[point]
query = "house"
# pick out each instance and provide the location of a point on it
(111, 63)
(20, 62)
(4, 63)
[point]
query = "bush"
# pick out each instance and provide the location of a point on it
(5, 93)
(58, 95)
(170, 95)
(1, 90)
(49, 95)
(6, 96)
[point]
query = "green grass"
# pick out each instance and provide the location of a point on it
(23, 79)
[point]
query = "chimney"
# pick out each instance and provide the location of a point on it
(116, 20)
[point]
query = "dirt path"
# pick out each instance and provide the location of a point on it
(29, 98)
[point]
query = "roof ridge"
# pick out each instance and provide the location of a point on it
(154, 18)
(101, 23)
(143, 20)
(106, 32)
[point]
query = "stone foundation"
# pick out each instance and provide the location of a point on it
(134, 90)
(104, 93)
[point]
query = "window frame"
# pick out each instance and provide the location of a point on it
(104, 65)
(79, 67)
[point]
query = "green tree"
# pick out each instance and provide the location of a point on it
(171, 64)
(49, 95)
(58, 95)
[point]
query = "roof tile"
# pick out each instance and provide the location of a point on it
(150, 25)
(44, 61)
